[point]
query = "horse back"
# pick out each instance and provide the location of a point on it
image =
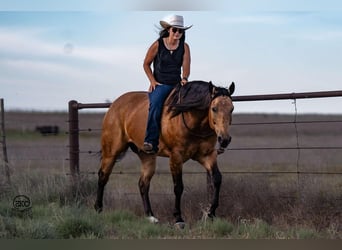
(126, 118)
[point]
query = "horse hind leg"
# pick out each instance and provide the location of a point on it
(110, 154)
(107, 165)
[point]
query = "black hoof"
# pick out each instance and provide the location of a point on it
(98, 208)
(180, 225)
(211, 216)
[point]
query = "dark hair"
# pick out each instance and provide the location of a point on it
(165, 33)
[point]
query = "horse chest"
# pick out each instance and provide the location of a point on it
(198, 147)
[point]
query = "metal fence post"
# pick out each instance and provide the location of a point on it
(74, 141)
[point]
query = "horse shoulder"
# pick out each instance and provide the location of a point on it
(175, 140)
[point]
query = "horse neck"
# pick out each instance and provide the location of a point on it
(197, 120)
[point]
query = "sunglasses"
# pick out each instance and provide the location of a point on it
(174, 30)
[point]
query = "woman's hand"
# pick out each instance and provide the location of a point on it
(153, 85)
(184, 81)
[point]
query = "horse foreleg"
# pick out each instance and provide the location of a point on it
(144, 187)
(176, 165)
(178, 190)
(215, 179)
(147, 172)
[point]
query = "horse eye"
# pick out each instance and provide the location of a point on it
(214, 109)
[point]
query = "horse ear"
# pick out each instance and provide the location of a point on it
(211, 87)
(231, 88)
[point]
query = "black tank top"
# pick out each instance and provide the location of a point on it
(167, 66)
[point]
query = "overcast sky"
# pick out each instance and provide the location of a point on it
(90, 52)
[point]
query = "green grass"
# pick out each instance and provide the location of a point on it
(264, 206)
(58, 212)
(83, 223)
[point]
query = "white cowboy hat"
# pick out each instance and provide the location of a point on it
(174, 21)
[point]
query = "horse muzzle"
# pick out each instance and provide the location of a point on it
(224, 141)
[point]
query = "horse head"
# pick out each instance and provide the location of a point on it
(220, 114)
(200, 95)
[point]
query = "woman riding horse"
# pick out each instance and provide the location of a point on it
(195, 117)
(169, 54)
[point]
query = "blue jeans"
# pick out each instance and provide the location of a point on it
(157, 98)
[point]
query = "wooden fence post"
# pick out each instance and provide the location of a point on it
(3, 142)
(74, 141)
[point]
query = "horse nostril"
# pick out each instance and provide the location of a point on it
(224, 142)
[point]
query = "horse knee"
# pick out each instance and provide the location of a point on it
(146, 176)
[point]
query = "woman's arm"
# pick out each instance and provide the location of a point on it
(186, 64)
(150, 55)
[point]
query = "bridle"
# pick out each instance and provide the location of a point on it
(221, 149)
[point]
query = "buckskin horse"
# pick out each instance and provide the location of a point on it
(195, 117)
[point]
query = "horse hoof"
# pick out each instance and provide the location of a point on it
(153, 219)
(98, 208)
(211, 216)
(180, 225)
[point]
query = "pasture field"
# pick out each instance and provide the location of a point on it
(262, 205)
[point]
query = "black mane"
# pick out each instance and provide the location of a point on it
(193, 95)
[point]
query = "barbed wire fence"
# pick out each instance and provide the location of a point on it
(302, 175)
(74, 130)
(71, 165)
(297, 147)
